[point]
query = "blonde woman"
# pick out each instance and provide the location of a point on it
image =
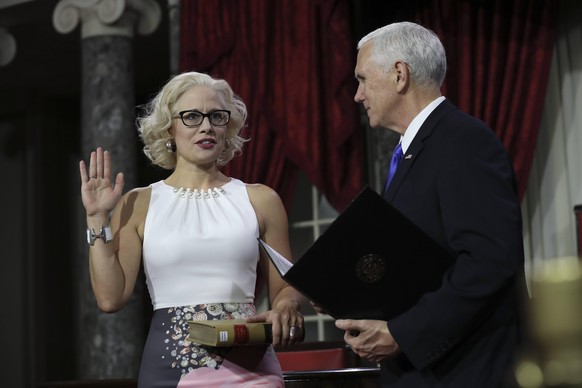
(196, 232)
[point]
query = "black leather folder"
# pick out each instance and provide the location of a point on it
(370, 263)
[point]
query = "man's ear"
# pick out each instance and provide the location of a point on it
(402, 76)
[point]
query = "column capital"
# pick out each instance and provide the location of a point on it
(7, 47)
(107, 17)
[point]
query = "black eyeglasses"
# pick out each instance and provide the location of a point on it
(193, 118)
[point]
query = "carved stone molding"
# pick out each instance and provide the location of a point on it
(107, 17)
(7, 47)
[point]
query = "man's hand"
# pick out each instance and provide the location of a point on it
(369, 339)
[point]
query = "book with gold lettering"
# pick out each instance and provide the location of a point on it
(230, 332)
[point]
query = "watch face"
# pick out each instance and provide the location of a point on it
(106, 234)
(90, 236)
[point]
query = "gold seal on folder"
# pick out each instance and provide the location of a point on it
(370, 268)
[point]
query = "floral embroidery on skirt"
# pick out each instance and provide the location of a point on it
(187, 355)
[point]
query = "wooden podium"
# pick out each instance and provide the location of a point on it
(336, 378)
(305, 365)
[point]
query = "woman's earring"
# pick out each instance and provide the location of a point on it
(171, 146)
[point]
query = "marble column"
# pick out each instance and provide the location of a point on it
(174, 27)
(108, 345)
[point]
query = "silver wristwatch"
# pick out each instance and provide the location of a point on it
(105, 235)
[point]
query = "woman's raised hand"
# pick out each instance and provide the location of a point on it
(98, 192)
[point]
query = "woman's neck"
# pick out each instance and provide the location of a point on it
(197, 179)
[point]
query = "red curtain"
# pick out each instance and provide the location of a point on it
(499, 55)
(292, 63)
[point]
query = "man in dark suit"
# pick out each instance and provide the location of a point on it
(456, 182)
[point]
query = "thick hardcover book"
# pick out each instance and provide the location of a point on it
(230, 332)
(371, 262)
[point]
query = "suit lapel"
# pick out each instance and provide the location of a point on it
(416, 147)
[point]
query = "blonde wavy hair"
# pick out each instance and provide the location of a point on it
(156, 118)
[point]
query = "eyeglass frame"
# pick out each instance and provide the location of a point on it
(204, 115)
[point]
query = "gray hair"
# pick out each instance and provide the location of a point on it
(417, 46)
(154, 124)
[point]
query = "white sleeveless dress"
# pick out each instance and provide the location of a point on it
(200, 255)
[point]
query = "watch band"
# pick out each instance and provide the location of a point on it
(105, 234)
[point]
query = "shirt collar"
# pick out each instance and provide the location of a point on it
(417, 122)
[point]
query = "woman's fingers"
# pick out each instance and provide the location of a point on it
(83, 171)
(99, 171)
(99, 165)
(106, 165)
(92, 165)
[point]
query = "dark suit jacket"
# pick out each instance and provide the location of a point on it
(457, 183)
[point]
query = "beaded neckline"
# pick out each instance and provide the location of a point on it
(199, 194)
(189, 193)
